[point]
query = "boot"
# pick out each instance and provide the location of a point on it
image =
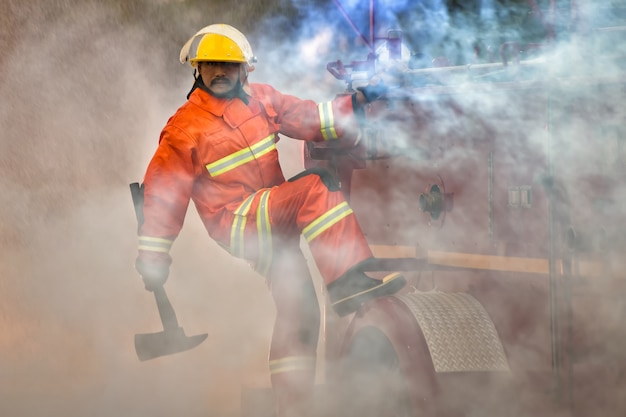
(354, 288)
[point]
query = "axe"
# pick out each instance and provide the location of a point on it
(172, 339)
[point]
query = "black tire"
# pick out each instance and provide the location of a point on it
(372, 379)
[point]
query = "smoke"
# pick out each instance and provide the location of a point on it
(486, 145)
(87, 87)
(556, 142)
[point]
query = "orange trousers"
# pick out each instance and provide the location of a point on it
(300, 206)
(311, 205)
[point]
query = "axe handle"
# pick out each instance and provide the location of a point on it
(166, 311)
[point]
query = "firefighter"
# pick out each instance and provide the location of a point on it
(219, 151)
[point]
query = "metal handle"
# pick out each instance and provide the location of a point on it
(166, 311)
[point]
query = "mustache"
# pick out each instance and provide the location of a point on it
(220, 80)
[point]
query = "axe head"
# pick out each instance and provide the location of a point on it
(152, 345)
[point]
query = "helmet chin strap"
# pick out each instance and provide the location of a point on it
(197, 82)
(241, 93)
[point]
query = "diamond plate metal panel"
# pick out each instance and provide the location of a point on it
(459, 333)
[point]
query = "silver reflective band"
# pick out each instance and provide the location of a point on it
(239, 158)
(264, 229)
(327, 120)
(291, 364)
(239, 225)
(155, 244)
(326, 220)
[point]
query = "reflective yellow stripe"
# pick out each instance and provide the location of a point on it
(238, 227)
(239, 158)
(264, 229)
(327, 120)
(155, 244)
(292, 363)
(326, 220)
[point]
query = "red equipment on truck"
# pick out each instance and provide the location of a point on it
(499, 188)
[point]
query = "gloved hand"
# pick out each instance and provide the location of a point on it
(154, 268)
(373, 92)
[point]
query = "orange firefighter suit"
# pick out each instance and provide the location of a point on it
(221, 154)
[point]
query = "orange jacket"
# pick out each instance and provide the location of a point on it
(217, 152)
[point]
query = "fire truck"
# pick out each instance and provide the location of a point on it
(498, 188)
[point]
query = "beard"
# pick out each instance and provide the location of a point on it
(237, 91)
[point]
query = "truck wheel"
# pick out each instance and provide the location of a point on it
(374, 383)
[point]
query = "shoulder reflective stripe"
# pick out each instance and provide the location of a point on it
(239, 225)
(327, 120)
(292, 363)
(239, 158)
(155, 244)
(326, 220)
(264, 229)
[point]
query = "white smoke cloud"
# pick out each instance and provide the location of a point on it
(86, 89)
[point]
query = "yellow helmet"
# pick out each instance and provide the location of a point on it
(217, 48)
(217, 43)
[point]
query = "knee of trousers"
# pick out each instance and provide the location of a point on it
(327, 178)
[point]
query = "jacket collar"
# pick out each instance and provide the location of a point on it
(208, 102)
(233, 110)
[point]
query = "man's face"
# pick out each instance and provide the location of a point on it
(220, 77)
